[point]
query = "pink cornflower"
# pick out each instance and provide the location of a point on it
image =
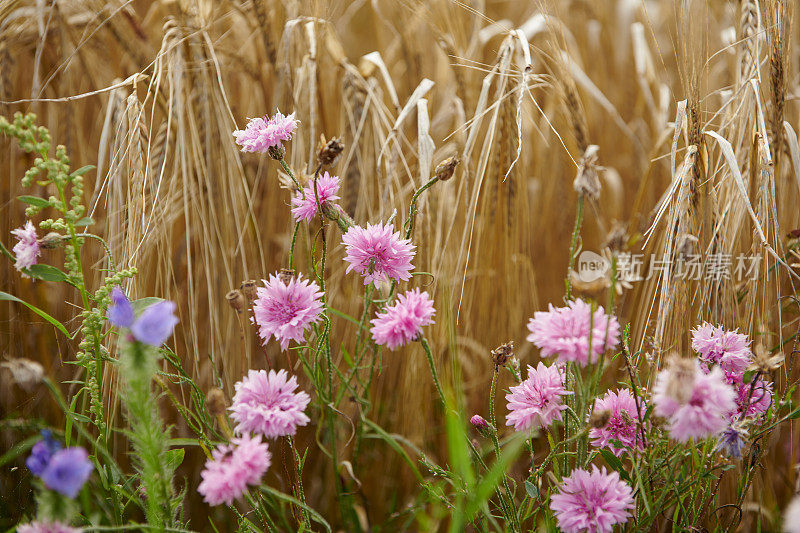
(305, 203)
(592, 502)
(378, 253)
(728, 349)
(286, 310)
(27, 249)
(752, 399)
(621, 425)
(232, 468)
(564, 331)
(266, 132)
(402, 322)
(536, 402)
(696, 404)
(266, 403)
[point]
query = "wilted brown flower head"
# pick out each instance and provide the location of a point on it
(502, 353)
(329, 151)
(24, 372)
(764, 361)
(587, 182)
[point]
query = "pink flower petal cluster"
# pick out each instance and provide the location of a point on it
(232, 468)
(305, 203)
(266, 403)
(263, 133)
(286, 310)
(26, 251)
(402, 322)
(536, 402)
(378, 253)
(592, 502)
(728, 349)
(621, 424)
(47, 527)
(697, 404)
(565, 332)
(752, 399)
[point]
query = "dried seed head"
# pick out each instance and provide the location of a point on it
(215, 402)
(615, 240)
(599, 419)
(686, 246)
(587, 182)
(236, 300)
(502, 353)
(763, 361)
(681, 379)
(52, 240)
(445, 169)
(329, 151)
(286, 275)
(248, 288)
(24, 372)
(276, 152)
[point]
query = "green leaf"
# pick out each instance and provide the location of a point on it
(6, 253)
(81, 171)
(34, 201)
(794, 414)
(46, 273)
(175, 458)
(748, 376)
(531, 489)
(143, 303)
(614, 462)
(18, 449)
(85, 221)
(8, 297)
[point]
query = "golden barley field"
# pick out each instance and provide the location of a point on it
(670, 127)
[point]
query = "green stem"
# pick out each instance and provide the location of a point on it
(413, 211)
(105, 246)
(434, 374)
(573, 244)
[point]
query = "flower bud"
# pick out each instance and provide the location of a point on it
(483, 427)
(286, 275)
(52, 240)
(445, 169)
(215, 402)
(248, 288)
(236, 300)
